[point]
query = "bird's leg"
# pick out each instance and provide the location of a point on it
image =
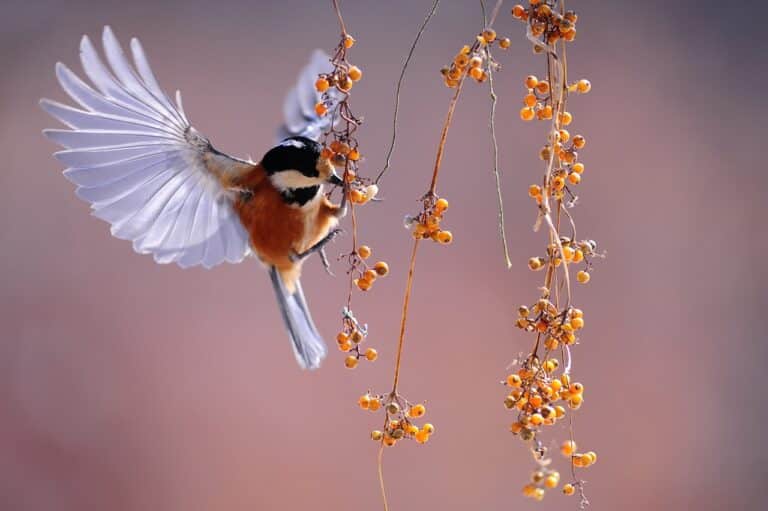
(317, 247)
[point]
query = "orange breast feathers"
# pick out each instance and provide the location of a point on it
(278, 230)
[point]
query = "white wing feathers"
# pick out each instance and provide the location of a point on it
(136, 159)
(299, 105)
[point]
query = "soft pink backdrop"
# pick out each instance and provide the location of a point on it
(129, 386)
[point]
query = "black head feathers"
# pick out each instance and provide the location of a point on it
(294, 153)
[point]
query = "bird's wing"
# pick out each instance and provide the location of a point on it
(140, 164)
(299, 105)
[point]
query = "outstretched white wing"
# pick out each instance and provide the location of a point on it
(140, 164)
(299, 105)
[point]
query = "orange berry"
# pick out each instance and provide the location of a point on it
(461, 60)
(357, 337)
(477, 73)
(535, 263)
(518, 11)
(574, 178)
(321, 109)
(568, 448)
(351, 363)
(326, 153)
(421, 437)
(569, 489)
(364, 402)
(441, 205)
(566, 118)
(475, 62)
(543, 87)
(534, 191)
(417, 410)
(376, 435)
(489, 35)
(579, 141)
(514, 380)
(370, 275)
(345, 346)
(356, 196)
(322, 85)
(546, 112)
(381, 268)
(583, 277)
(349, 41)
(354, 155)
(362, 284)
(558, 183)
(578, 168)
(355, 73)
(371, 354)
(428, 428)
(445, 237)
(375, 404)
(505, 43)
(364, 251)
(527, 113)
(530, 100)
(531, 81)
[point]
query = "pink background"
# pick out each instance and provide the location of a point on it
(125, 385)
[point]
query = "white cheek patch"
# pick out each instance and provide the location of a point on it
(293, 179)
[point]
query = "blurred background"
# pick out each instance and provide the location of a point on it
(129, 386)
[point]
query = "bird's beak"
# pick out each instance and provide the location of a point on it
(334, 179)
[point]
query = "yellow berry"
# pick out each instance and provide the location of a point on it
(584, 86)
(574, 178)
(569, 489)
(577, 323)
(558, 183)
(551, 481)
(364, 251)
(351, 362)
(564, 135)
(428, 428)
(534, 191)
(566, 118)
(381, 268)
(514, 380)
(489, 35)
(576, 388)
(322, 85)
(583, 277)
(371, 354)
(376, 435)
(593, 456)
(578, 168)
(355, 73)
(475, 62)
(441, 205)
(535, 263)
(349, 41)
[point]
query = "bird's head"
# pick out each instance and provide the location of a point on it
(297, 163)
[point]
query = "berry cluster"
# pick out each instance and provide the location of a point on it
(541, 391)
(399, 421)
(426, 225)
(340, 145)
(475, 60)
(350, 338)
(572, 252)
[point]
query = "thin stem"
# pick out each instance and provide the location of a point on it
(495, 12)
(496, 171)
(399, 86)
(404, 316)
(444, 135)
(381, 476)
(338, 15)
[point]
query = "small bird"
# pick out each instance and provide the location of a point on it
(141, 165)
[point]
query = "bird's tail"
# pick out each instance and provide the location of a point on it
(308, 346)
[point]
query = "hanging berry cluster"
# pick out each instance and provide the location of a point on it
(541, 390)
(340, 145)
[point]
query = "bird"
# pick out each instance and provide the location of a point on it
(160, 183)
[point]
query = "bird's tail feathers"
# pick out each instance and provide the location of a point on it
(308, 346)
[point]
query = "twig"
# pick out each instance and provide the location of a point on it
(399, 86)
